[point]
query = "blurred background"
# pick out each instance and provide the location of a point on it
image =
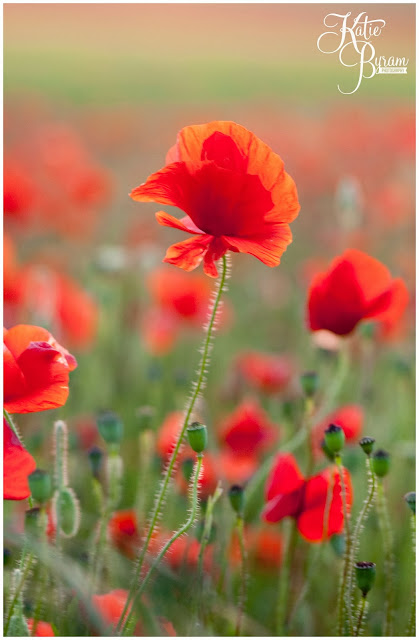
(94, 96)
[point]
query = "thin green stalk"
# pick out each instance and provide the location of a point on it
(197, 388)
(344, 613)
(363, 607)
(43, 581)
(243, 574)
(284, 578)
(411, 627)
(183, 529)
(26, 564)
(385, 527)
(207, 529)
(368, 502)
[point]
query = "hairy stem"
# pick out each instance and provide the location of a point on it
(243, 574)
(384, 522)
(284, 578)
(344, 613)
(362, 610)
(411, 627)
(197, 388)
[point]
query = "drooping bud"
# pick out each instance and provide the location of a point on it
(40, 484)
(309, 383)
(197, 436)
(365, 576)
(236, 497)
(95, 456)
(334, 438)
(411, 501)
(66, 511)
(187, 468)
(110, 427)
(367, 445)
(381, 463)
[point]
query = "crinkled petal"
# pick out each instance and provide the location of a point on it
(188, 254)
(17, 465)
(184, 224)
(267, 247)
(170, 185)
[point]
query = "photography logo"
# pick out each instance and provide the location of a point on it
(353, 40)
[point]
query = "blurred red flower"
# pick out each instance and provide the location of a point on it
(356, 287)
(36, 370)
(185, 296)
(17, 465)
(123, 532)
(350, 418)
(110, 605)
(234, 190)
(266, 372)
(42, 629)
(288, 493)
(184, 551)
(265, 547)
(20, 193)
(248, 430)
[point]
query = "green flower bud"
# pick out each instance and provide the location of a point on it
(367, 445)
(381, 463)
(32, 524)
(411, 501)
(110, 427)
(309, 383)
(66, 510)
(95, 455)
(197, 436)
(334, 438)
(329, 454)
(40, 485)
(236, 497)
(365, 576)
(187, 468)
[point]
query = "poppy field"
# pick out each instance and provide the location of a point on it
(209, 371)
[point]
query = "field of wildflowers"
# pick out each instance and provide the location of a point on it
(209, 376)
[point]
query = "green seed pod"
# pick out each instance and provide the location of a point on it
(411, 501)
(309, 383)
(110, 427)
(187, 468)
(236, 497)
(334, 438)
(40, 484)
(367, 445)
(197, 436)
(66, 510)
(381, 463)
(95, 456)
(365, 576)
(32, 522)
(329, 454)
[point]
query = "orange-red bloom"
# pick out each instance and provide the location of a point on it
(356, 287)
(288, 493)
(235, 193)
(42, 629)
(111, 605)
(36, 370)
(248, 429)
(266, 372)
(350, 418)
(17, 465)
(123, 532)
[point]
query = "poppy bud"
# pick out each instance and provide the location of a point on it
(66, 510)
(334, 438)
(367, 445)
(411, 501)
(95, 455)
(236, 497)
(327, 451)
(40, 485)
(365, 576)
(187, 468)
(197, 436)
(32, 522)
(309, 383)
(110, 427)
(381, 463)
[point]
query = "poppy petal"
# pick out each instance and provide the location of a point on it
(184, 224)
(170, 185)
(268, 248)
(188, 254)
(17, 465)
(285, 476)
(286, 504)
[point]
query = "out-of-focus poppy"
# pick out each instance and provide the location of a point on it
(17, 465)
(42, 629)
(185, 296)
(356, 287)
(264, 546)
(236, 468)
(350, 418)
(235, 193)
(266, 372)
(248, 430)
(288, 493)
(183, 552)
(167, 434)
(123, 532)
(36, 370)
(19, 192)
(110, 605)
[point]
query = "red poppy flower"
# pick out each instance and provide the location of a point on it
(36, 370)
(185, 296)
(17, 465)
(288, 493)
(266, 372)
(42, 629)
(123, 532)
(350, 418)
(235, 193)
(248, 429)
(236, 468)
(111, 605)
(356, 287)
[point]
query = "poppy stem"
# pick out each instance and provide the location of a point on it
(180, 532)
(363, 607)
(384, 523)
(411, 627)
(243, 574)
(284, 581)
(198, 385)
(344, 611)
(368, 502)
(23, 571)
